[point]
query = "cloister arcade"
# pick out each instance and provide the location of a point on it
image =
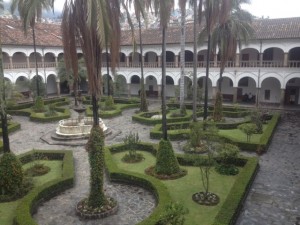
(269, 71)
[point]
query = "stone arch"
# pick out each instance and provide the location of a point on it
(201, 85)
(150, 59)
(122, 59)
(292, 89)
(51, 85)
(249, 57)
(246, 87)
(32, 60)
(294, 57)
(170, 59)
(270, 91)
(135, 84)
(107, 82)
(151, 86)
(19, 60)
(22, 84)
(134, 59)
(273, 57)
(121, 85)
(170, 88)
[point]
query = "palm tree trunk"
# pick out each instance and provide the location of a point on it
(220, 80)
(107, 67)
(182, 59)
(163, 85)
(206, 77)
(36, 64)
(95, 110)
(143, 106)
(3, 114)
(195, 83)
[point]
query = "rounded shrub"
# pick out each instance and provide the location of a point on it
(11, 174)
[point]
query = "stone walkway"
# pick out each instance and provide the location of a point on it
(274, 198)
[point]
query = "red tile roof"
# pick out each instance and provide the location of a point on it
(50, 34)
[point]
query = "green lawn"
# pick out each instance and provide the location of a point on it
(7, 210)
(181, 190)
(237, 135)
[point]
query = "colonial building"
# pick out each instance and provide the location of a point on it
(266, 69)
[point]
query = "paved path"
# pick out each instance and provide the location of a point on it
(274, 197)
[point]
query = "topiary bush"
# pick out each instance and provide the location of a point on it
(131, 141)
(109, 104)
(166, 162)
(11, 174)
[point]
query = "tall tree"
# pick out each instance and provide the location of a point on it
(3, 112)
(182, 5)
(31, 12)
(140, 7)
(163, 9)
(92, 24)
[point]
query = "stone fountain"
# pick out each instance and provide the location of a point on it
(77, 128)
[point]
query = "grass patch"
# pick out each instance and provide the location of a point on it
(7, 209)
(181, 190)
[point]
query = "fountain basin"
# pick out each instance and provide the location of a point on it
(77, 128)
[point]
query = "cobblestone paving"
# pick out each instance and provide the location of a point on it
(274, 198)
(135, 204)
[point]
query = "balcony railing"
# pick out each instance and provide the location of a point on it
(200, 64)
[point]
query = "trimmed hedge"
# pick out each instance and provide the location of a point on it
(233, 203)
(145, 118)
(30, 104)
(150, 183)
(229, 210)
(12, 126)
(35, 197)
(20, 111)
(111, 113)
(264, 141)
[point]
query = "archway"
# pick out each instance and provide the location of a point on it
(51, 85)
(22, 85)
(249, 57)
(120, 85)
(151, 86)
(201, 87)
(106, 84)
(19, 60)
(270, 91)
(135, 85)
(170, 88)
(273, 57)
(292, 90)
(246, 91)
(150, 59)
(294, 57)
(32, 63)
(187, 87)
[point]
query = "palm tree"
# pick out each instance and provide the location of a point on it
(139, 9)
(92, 24)
(163, 9)
(31, 11)
(3, 113)
(182, 5)
(233, 27)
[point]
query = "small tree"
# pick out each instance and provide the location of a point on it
(227, 156)
(39, 105)
(11, 174)
(248, 128)
(210, 135)
(256, 118)
(131, 141)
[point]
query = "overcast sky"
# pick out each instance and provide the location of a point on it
(259, 8)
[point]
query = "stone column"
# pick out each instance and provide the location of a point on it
(129, 90)
(159, 61)
(261, 57)
(282, 97)
(58, 86)
(28, 62)
(56, 61)
(285, 59)
(234, 94)
(159, 91)
(10, 62)
(257, 100)
(127, 61)
(176, 61)
(237, 60)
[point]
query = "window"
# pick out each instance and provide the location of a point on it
(267, 94)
